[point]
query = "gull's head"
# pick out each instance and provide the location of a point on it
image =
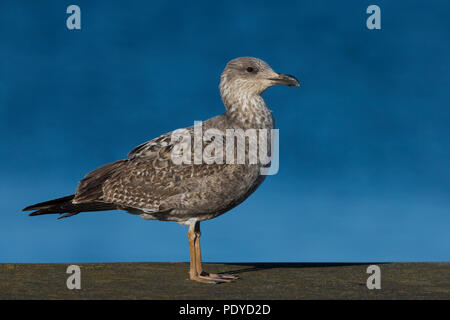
(247, 75)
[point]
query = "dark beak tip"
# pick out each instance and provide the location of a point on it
(293, 81)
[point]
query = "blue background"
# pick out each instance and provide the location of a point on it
(364, 161)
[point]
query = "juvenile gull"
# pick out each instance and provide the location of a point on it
(150, 184)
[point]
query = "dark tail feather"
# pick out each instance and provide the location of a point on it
(50, 204)
(65, 205)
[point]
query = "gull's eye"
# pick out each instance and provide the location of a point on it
(250, 69)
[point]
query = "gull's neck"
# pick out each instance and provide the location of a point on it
(248, 111)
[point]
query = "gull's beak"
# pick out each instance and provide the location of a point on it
(286, 80)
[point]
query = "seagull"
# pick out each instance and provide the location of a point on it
(151, 184)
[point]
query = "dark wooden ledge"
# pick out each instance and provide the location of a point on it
(257, 281)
